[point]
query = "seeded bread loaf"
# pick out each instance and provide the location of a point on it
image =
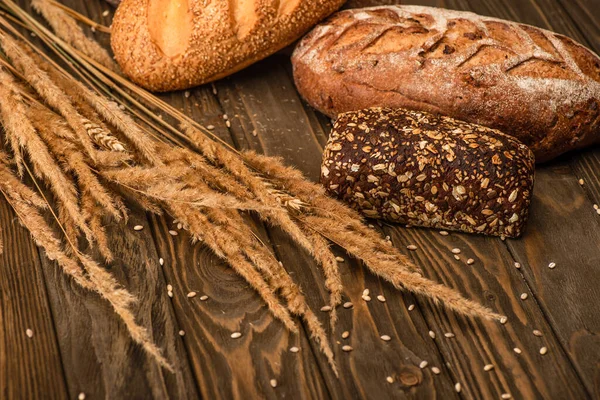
(175, 44)
(538, 86)
(420, 169)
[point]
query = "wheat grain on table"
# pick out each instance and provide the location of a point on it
(57, 341)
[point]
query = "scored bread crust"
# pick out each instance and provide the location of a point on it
(533, 84)
(166, 45)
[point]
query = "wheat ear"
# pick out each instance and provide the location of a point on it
(68, 30)
(46, 88)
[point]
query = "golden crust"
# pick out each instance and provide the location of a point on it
(213, 39)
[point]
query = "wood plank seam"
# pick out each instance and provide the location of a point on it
(153, 232)
(555, 334)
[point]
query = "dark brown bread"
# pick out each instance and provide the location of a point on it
(420, 169)
(535, 85)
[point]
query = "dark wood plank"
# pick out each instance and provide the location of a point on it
(30, 368)
(99, 357)
(225, 367)
(559, 213)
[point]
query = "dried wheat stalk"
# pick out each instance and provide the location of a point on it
(68, 30)
(75, 138)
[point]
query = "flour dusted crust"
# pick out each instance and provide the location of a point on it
(536, 85)
(420, 169)
(175, 44)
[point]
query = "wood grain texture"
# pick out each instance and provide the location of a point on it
(30, 367)
(282, 126)
(225, 367)
(560, 210)
(99, 357)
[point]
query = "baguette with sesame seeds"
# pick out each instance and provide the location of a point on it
(167, 45)
(420, 169)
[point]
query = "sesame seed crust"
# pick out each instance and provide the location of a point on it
(162, 47)
(416, 168)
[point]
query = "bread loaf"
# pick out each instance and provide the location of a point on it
(175, 44)
(540, 87)
(419, 169)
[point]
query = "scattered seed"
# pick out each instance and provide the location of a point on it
(345, 335)
(225, 117)
(457, 387)
(347, 348)
(389, 379)
(273, 383)
(348, 304)
(435, 370)
(488, 367)
(518, 265)
(503, 319)
(596, 206)
(411, 247)
(173, 233)
(598, 211)
(339, 259)
(182, 333)
(105, 13)
(552, 265)
(381, 298)
(29, 332)
(236, 335)
(543, 350)
(138, 228)
(506, 396)
(385, 338)
(180, 226)
(423, 364)
(161, 261)
(470, 261)
(456, 257)
(449, 334)
(432, 334)
(210, 127)
(170, 294)
(524, 296)
(170, 288)
(537, 333)
(456, 250)
(517, 350)
(326, 308)
(203, 298)
(366, 292)
(81, 396)
(191, 295)
(254, 132)
(366, 298)
(228, 124)
(444, 233)
(411, 307)
(581, 182)
(294, 349)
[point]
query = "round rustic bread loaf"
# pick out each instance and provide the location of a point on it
(175, 44)
(536, 85)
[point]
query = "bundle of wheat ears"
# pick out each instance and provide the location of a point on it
(69, 137)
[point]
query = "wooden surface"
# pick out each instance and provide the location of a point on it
(78, 345)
